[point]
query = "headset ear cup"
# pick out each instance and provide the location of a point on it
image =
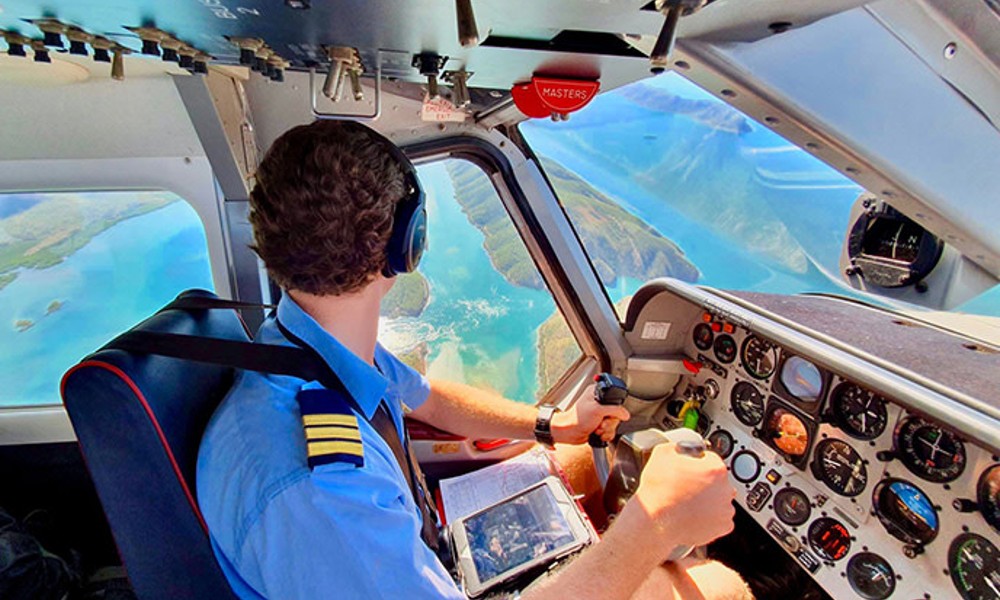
(409, 236)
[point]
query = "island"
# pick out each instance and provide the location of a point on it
(53, 307)
(22, 325)
(619, 243)
(57, 226)
(408, 297)
(416, 357)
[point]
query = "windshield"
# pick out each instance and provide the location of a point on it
(741, 207)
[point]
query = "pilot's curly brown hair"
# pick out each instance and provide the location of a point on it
(323, 205)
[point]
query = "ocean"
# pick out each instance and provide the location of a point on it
(121, 277)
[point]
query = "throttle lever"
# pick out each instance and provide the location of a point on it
(608, 391)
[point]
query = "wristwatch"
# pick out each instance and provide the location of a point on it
(543, 425)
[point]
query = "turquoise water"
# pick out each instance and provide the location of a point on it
(619, 148)
(479, 328)
(121, 277)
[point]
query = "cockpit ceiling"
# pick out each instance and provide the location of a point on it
(587, 39)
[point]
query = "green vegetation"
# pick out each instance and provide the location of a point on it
(23, 324)
(53, 307)
(478, 199)
(557, 348)
(619, 243)
(47, 233)
(408, 297)
(416, 357)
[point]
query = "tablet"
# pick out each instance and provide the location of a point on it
(528, 530)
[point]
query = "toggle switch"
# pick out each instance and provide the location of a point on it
(459, 87)
(354, 74)
(102, 47)
(248, 48)
(341, 59)
(170, 47)
(78, 40)
(150, 37)
(276, 68)
(52, 31)
(16, 43)
(201, 63)
(185, 57)
(41, 51)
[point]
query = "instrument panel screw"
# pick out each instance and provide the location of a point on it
(950, 50)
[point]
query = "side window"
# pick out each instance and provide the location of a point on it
(77, 268)
(477, 310)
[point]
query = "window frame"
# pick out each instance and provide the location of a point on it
(575, 304)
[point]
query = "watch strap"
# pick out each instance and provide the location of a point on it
(543, 425)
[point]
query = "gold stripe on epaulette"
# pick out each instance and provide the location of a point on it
(329, 419)
(321, 448)
(336, 431)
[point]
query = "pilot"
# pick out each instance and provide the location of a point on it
(304, 492)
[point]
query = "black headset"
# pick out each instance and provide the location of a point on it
(409, 224)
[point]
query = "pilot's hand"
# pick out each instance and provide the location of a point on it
(586, 417)
(688, 499)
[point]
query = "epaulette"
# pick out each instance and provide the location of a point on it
(331, 428)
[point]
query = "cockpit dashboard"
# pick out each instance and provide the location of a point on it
(876, 482)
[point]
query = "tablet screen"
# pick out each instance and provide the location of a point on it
(508, 535)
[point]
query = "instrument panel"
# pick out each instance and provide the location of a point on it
(874, 501)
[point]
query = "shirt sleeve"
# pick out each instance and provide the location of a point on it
(345, 532)
(410, 386)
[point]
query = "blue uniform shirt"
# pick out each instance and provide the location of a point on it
(283, 531)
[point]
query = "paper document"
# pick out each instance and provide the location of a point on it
(466, 494)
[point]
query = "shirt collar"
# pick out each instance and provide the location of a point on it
(363, 381)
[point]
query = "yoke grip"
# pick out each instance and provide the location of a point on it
(609, 391)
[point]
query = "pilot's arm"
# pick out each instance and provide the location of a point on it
(472, 412)
(343, 532)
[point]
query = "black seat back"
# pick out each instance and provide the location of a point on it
(139, 419)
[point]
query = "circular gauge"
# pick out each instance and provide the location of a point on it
(791, 506)
(712, 389)
(988, 495)
(703, 336)
(745, 466)
(905, 511)
(725, 348)
(974, 563)
(840, 467)
(785, 431)
(721, 442)
(802, 379)
(860, 413)
(759, 357)
(829, 538)
(747, 403)
(929, 451)
(871, 576)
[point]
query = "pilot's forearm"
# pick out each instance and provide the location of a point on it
(473, 412)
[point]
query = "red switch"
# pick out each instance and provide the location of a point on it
(692, 366)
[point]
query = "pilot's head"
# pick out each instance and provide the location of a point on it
(323, 206)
